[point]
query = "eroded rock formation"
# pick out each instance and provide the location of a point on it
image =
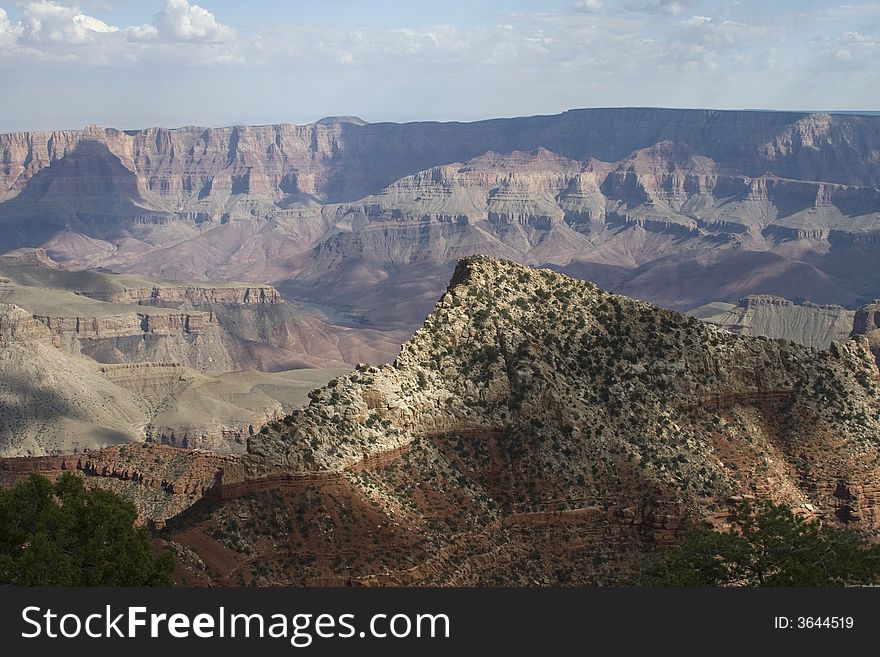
(538, 429)
(679, 207)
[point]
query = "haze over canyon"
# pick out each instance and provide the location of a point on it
(229, 323)
(680, 207)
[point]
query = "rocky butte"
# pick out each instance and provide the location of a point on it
(539, 430)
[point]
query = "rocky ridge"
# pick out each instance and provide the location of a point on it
(534, 416)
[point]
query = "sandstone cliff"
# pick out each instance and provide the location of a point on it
(679, 207)
(52, 401)
(774, 317)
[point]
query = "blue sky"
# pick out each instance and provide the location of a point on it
(134, 63)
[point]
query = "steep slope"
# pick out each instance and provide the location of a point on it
(52, 401)
(774, 317)
(538, 429)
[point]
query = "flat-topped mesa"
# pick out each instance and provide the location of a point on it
(173, 295)
(128, 325)
(589, 381)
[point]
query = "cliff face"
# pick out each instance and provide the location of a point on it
(329, 161)
(679, 207)
(537, 429)
(161, 481)
(807, 323)
(173, 295)
(867, 324)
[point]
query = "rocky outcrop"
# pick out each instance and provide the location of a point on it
(173, 296)
(538, 429)
(867, 324)
(17, 325)
(161, 481)
(770, 316)
(383, 407)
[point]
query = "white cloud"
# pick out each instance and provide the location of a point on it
(180, 21)
(141, 32)
(587, 6)
(695, 21)
(46, 21)
(666, 7)
(8, 32)
(852, 50)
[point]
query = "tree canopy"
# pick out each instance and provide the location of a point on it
(63, 534)
(768, 546)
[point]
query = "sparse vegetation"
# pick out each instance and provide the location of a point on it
(767, 545)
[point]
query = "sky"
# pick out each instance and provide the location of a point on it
(138, 63)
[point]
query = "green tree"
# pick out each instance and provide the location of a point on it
(62, 534)
(767, 546)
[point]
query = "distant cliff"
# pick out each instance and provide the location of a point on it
(679, 207)
(806, 323)
(345, 161)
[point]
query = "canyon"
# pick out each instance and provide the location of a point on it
(115, 318)
(53, 401)
(365, 221)
(645, 317)
(535, 430)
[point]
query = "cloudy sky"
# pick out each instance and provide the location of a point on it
(136, 63)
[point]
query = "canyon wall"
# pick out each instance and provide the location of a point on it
(679, 207)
